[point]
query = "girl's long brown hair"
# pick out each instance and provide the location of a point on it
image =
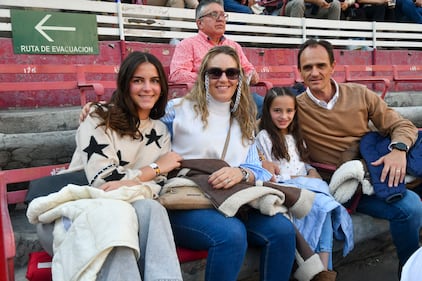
(279, 145)
(120, 113)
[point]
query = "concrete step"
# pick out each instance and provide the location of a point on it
(39, 120)
(54, 119)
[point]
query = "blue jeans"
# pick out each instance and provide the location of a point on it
(235, 6)
(405, 217)
(227, 239)
(406, 10)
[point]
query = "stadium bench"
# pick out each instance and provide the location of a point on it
(277, 75)
(369, 73)
(32, 78)
(407, 73)
(14, 197)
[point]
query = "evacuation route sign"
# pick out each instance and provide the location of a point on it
(41, 32)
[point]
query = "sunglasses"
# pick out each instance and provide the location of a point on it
(216, 73)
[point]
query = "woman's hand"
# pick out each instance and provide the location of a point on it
(225, 178)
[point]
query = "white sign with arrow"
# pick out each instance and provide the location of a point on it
(40, 28)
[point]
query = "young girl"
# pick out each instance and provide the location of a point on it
(281, 142)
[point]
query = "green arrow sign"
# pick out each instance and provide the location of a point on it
(37, 32)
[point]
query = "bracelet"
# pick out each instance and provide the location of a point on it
(156, 169)
(245, 174)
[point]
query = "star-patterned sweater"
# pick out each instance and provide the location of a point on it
(107, 156)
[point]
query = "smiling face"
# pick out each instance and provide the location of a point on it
(222, 88)
(316, 70)
(145, 88)
(282, 111)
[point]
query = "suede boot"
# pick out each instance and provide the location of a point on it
(325, 276)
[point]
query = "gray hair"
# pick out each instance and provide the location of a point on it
(203, 4)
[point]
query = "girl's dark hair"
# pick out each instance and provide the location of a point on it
(120, 113)
(279, 147)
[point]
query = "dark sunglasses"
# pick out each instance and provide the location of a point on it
(231, 73)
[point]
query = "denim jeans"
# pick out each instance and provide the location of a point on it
(235, 6)
(405, 217)
(227, 239)
(406, 10)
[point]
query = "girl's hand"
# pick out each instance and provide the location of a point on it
(112, 185)
(313, 173)
(169, 162)
(271, 167)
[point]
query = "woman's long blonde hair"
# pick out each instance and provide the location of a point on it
(245, 113)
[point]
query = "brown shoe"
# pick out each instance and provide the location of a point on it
(325, 276)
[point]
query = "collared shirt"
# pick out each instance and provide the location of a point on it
(322, 103)
(188, 55)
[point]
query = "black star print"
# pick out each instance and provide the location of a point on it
(94, 147)
(153, 137)
(114, 176)
(121, 162)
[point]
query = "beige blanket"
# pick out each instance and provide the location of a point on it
(89, 222)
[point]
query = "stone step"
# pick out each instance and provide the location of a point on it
(18, 121)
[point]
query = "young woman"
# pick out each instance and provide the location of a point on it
(281, 142)
(199, 124)
(122, 143)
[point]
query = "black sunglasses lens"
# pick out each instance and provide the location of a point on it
(232, 73)
(215, 73)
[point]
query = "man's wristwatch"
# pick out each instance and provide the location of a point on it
(400, 146)
(245, 174)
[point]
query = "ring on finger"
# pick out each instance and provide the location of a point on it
(228, 180)
(398, 171)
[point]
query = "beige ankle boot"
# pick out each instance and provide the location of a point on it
(325, 276)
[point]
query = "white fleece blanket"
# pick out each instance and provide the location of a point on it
(89, 222)
(346, 179)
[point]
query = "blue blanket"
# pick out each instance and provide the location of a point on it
(324, 204)
(372, 147)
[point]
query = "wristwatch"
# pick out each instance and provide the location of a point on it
(245, 174)
(400, 146)
(155, 167)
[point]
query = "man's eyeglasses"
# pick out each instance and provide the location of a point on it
(216, 73)
(215, 15)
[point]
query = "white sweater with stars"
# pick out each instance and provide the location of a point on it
(106, 156)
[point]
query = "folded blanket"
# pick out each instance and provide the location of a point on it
(345, 180)
(267, 197)
(89, 222)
